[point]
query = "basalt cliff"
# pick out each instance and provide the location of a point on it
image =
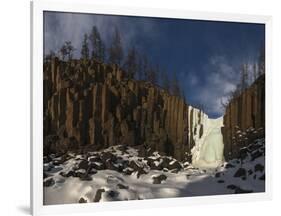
(89, 105)
(244, 119)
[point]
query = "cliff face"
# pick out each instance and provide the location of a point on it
(89, 105)
(244, 119)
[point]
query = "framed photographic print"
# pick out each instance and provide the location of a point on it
(140, 107)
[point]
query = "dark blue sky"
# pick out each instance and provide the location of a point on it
(205, 55)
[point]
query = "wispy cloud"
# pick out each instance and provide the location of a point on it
(220, 81)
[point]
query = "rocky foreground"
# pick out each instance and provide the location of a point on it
(121, 173)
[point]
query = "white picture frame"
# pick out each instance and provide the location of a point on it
(37, 8)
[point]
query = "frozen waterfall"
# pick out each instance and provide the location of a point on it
(208, 149)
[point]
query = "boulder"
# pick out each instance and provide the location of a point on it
(108, 156)
(110, 165)
(250, 172)
(231, 187)
(97, 165)
(174, 165)
(154, 164)
(256, 154)
(128, 170)
(159, 179)
(218, 174)
(229, 165)
(68, 174)
(49, 182)
(112, 195)
(98, 195)
(259, 168)
(240, 173)
(84, 164)
(91, 171)
(121, 186)
(86, 177)
(82, 200)
(262, 177)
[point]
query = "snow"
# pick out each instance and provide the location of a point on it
(190, 181)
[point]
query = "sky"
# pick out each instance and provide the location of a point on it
(205, 55)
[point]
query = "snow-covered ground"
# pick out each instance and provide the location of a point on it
(119, 173)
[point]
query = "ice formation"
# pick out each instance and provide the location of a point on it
(208, 149)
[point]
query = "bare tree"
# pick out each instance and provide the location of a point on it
(244, 76)
(145, 67)
(255, 71)
(152, 74)
(183, 96)
(175, 86)
(63, 51)
(116, 50)
(67, 50)
(141, 66)
(261, 60)
(165, 81)
(223, 103)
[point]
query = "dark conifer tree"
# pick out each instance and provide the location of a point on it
(116, 49)
(85, 48)
(98, 46)
(131, 63)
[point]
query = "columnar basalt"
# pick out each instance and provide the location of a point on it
(244, 119)
(89, 105)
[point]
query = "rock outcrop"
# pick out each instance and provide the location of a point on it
(244, 119)
(89, 105)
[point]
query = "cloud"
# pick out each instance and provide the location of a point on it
(60, 27)
(220, 81)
